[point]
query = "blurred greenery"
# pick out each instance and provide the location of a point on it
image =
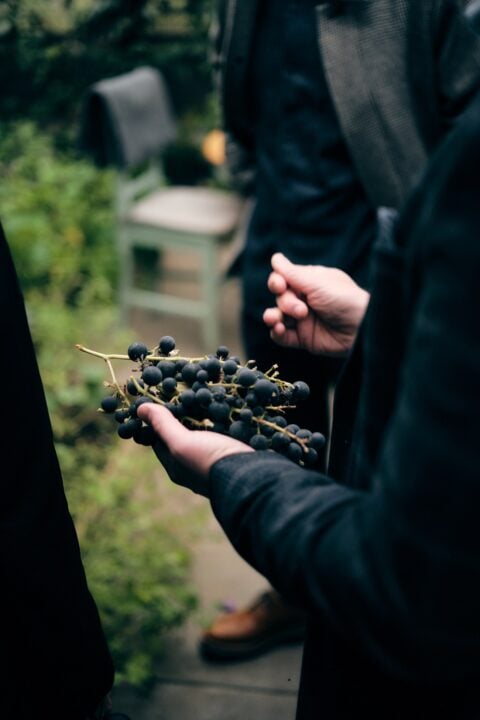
(51, 51)
(58, 217)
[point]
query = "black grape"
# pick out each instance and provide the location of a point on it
(216, 393)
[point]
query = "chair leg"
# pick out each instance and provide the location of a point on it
(210, 292)
(125, 280)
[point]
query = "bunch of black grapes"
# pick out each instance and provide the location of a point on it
(216, 393)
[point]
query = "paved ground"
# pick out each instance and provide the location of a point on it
(188, 688)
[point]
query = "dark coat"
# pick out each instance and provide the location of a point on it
(386, 561)
(399, 72)
(55, 661)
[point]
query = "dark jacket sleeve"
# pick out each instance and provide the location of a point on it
(396, 568)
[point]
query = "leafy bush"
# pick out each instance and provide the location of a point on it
(136, 564)
(50, 52)
(184, 164)
(58, 218)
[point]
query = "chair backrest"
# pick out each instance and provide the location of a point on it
(126, 121)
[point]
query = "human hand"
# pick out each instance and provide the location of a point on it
(318, 308)
(187, 455)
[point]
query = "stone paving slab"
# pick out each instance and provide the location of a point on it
(207, 702)
(190, 688)
(276, 671)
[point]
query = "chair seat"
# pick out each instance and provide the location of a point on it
(199, 210)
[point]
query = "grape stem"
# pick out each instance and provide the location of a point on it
(145, 393)
(108, 359)
(153, 358)
(206, 423)
(272, 374)
(278, 428)
(300, 441)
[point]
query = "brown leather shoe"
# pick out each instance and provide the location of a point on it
(244, 634)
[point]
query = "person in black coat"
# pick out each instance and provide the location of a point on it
(383, 553)
(331, 110)
(55, 659)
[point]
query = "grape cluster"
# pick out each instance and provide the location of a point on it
(216, 392)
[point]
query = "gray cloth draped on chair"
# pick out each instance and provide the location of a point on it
(127, 119)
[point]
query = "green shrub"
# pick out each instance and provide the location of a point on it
(51, 51)
(58, 218)
(134, 552)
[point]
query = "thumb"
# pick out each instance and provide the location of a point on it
(166, 427)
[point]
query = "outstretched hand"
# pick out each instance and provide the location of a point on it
(319, 308)
(187, 455)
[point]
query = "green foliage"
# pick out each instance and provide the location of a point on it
(51, 51)
(136, 563)
(57, 212)
(58, 218)
(184, 164)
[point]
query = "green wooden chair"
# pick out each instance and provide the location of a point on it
(127, 121)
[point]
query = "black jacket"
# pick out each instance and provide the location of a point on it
(400, 73)
(387, 559)
(55, 661)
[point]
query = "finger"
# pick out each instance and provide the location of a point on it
(167, 427)
(281, 265)
(271, 316)
(284, 337)
(276, 283)
(277, 333)
(291, 305)
(298, 277)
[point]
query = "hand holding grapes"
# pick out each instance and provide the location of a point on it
(186, 396)
(325, 305)
(187, 455)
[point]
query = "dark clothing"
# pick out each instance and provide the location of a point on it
(308, 105)
(320, 372)
(387, 561)
(56, 662)
(399, 72)
(309, 203)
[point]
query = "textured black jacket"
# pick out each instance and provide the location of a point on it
(387, 559)
(399, 72)
(55, 662)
